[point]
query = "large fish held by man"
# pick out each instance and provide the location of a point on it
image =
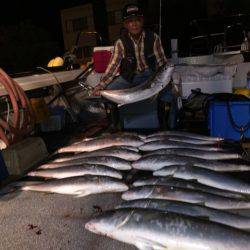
(142, 92)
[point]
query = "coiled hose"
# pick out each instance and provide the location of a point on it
(22, 119)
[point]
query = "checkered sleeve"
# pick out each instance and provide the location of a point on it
(159, 52)
(114, 64)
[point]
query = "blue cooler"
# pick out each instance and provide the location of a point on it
(3, 169)
(229, 120)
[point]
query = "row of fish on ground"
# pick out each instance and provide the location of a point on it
(109, 156)
(187, 203)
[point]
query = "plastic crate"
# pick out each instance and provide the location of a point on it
(220, 123)
(3, 169)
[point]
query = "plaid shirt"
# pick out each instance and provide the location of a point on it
(119, 53)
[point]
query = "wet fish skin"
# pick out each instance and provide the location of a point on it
(215, 215)
(79, 186)
(206, 177)
(110, 161)
(102, 142)
(186, 134)
(185, 195)
(197, 154)
(167, 144)
(180, 183)
(151, 229)
(181, 139)
(156, 162)
(122, 153)
(71, 171)
(142, 92)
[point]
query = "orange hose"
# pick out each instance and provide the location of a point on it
(3, 137)
(18, 98)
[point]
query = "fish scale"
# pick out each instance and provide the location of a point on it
(79, 186)
(167, 144)
(196, 154)
(215, 215)
(156, 162)
(109, 161)
(102, 142)
(186, 134)
(71, 171)
(123, 153)
(185, 195)
(206, 177)
(183, 183)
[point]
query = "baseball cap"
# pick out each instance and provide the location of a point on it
(131, 10)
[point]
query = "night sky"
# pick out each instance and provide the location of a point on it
(46, 14)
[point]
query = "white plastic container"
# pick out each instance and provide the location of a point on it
(207, 86)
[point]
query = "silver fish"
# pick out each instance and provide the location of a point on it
(141, 136)
(187, 134)
(79, 186)
(150, 229)
(175, 182)
(181, 139)
(207, 155)
(109, 161)
(142, 92)
(215, 215)
(71, 171)
(185, 195)
(103, 142)
(206, 177)
(162, 144)
(119, 152)
(156, 162)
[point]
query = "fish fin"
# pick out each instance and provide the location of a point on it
(201, 203)
(145, 244)
(142, 246)
(193, 180)
(81, 194)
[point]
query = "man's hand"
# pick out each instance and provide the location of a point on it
(97, 89)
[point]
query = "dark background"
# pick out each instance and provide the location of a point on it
(31, 31)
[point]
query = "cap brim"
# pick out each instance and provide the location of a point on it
(133, 15)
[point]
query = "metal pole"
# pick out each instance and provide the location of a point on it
(160, 21)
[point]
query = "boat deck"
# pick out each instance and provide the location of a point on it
(31, 220)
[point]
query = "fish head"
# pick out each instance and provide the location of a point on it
(107, 224)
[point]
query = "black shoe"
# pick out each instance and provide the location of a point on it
(163, 112)
(113, 116)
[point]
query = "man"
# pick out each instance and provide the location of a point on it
(137, 55)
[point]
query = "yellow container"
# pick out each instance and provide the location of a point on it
(242, 91)
(40, 108)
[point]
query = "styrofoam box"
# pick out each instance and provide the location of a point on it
(208, 86)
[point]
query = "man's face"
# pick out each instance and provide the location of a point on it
(134, 25)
